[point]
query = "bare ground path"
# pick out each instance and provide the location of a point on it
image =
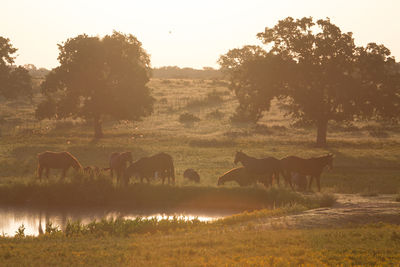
(350, 209)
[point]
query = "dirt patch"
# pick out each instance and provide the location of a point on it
(349, 210)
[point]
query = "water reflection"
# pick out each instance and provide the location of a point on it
(35, 220)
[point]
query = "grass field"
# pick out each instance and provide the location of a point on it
(367, 156)
(367, 161)
(212, 245)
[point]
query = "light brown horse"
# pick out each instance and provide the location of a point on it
(312, 167)
(161, 165)
(56, 160)
(239, 175)
(118, 163)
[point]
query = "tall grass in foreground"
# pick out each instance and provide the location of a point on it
(101, 192)
(125, 227)
(230, 245)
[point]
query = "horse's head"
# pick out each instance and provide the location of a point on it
(74, 162)
(221, 181)
(238, 157)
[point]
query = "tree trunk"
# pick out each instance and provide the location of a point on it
(98, 130)
(322, 127)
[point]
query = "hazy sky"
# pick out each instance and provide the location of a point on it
(183, 33)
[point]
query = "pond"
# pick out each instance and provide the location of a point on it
(35, 219)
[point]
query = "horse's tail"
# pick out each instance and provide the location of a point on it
(39, 166)
(172, 170)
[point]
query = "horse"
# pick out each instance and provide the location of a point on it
(264, 167)
(56, 160)
(160, 164)
(191, 175)
(312, 167)
(239, 175)
(118, 162)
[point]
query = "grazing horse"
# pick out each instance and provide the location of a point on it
(118, 162)
(239, 175)
(310, 167)
(191, 175)
(264, 168)
(56, 160)
(161, 165)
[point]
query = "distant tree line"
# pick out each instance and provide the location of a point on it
(36, 73)
(174, 72)
(167, 72)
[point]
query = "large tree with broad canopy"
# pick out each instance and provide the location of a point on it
(317, 72)
(99, 77)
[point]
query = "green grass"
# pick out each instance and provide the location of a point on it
(211, 245)
(367, 161)
(359, 166)
(83, 191)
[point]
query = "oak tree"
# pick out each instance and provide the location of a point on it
(99, 77)
(319, 74)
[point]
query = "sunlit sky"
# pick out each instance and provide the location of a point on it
(183, 33)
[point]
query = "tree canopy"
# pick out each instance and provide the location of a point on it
(15, 81)
(99, 77)
(318, 73)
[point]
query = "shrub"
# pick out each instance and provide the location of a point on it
(216, 114)
(377, 133)
(214, 97)
(188, 118)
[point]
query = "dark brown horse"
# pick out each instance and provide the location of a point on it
(159, 165)
(239, 175)
(56, 160)
(264, 168)
(309, 167)
(191, 175)
(118, 163)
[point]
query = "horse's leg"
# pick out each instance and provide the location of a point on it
(276, 177)
(64, 171)
(118, 173)
(40, 170)
(111, 172)
(310, 182)
(47, 172)
(318, 184)
(288, 179)
(126, 180)
(269, 177)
